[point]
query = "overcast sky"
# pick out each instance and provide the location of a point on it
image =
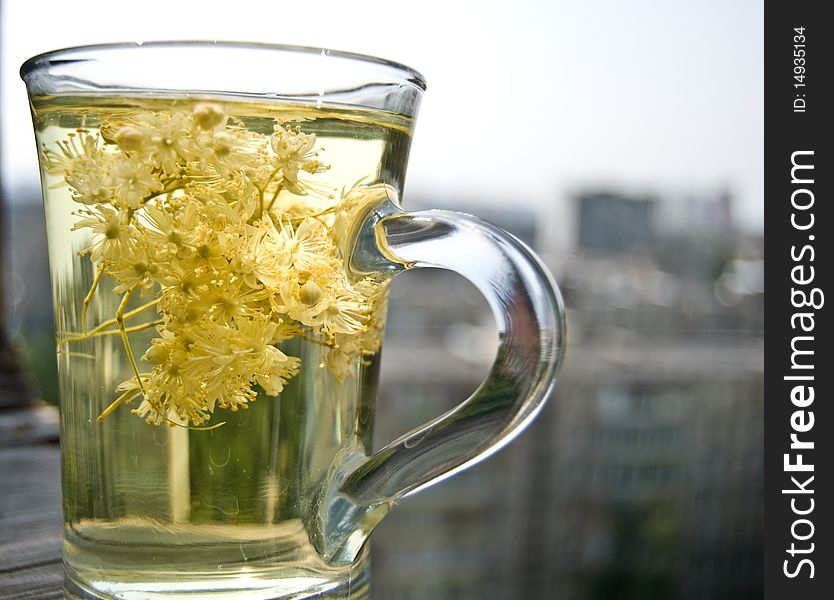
(531, 102)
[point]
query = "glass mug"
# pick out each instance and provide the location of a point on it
(223, 223)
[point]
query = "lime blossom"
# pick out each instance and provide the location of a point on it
(236, 242)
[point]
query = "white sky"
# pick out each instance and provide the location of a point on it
(524, 104)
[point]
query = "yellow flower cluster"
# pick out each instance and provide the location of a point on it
(228, 232)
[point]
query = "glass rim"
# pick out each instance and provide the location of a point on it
(45, 59)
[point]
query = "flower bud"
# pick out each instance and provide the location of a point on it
(208, 115)
(310, 293)
(129, 138)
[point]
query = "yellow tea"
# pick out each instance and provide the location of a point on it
(211, 347)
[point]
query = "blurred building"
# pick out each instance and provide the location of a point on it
(643, 477)
(614, 224)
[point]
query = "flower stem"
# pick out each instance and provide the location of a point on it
(262, 190)
(95, 331)
(167, 188)
(274, 197)
(326, 211)
(173, 423)
(104, 332)
(126, 397)
(313, 340)
(89, 297)
(120, 319)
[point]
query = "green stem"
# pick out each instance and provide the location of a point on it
(274, 197)
(103, 326)
(126, 397)
(133, 329)
(89, 297)
(262, 190)
(314, 340)
(193, 428)
(165, 189)
(125, 340)
(326, 211)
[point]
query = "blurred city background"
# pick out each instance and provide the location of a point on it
(639, 185)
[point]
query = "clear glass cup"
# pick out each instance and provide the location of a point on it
(223, 222)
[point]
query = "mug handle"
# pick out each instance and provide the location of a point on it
(530, 317)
